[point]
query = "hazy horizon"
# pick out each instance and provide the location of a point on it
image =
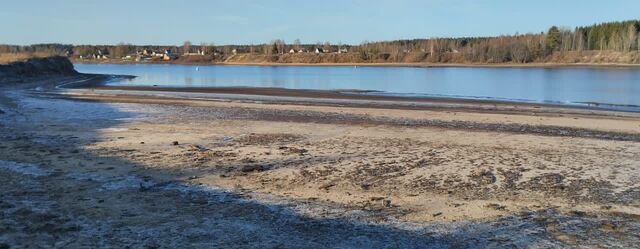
(254, 22)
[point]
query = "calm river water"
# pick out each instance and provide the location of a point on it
(617, 88)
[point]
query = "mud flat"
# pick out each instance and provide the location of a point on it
(99, 167)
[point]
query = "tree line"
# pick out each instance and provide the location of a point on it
(519, 48)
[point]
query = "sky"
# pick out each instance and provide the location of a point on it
(171, 22)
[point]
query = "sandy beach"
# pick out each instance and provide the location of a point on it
(96, 165)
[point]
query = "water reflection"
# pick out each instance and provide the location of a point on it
(562, 85)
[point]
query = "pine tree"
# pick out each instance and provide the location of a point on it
(553, 39)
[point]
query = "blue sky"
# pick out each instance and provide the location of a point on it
(246, 22)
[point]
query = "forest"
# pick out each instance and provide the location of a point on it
(616, 42)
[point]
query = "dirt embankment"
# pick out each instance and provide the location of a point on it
(36, 67)
(581, 57)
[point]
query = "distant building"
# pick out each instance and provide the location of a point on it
(197, 53)
(168, 57)
(342, 50)
(319, 51)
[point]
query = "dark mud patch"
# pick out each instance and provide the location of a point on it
(241, 113)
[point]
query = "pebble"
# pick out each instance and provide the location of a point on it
(386, 203)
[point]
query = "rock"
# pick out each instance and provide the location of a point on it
(174, 143)
(437, 214)
(386, 203)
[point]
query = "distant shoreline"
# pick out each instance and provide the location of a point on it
(423, 65)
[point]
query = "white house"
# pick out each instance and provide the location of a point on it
(196, 53)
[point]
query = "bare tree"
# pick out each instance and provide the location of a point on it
(631, 38)
(186, 47)
(296, 44)
(326, 47)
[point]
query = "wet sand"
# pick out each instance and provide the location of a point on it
(275, 168)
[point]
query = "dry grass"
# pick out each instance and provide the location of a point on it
(6, 58)
(632, 57)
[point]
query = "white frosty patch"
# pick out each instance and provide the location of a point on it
(116, 129)
(23, 168)
(87, 177)
(125, 183)
(112, 183)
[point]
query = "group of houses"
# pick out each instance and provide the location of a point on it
(148, 54)
(318, 51)
(97, 55)
(168, 55)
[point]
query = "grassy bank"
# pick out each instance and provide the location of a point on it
(6, 58)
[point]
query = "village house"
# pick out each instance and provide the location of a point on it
(320, 51)
(98, 55)
(200, 52)
(169, 56)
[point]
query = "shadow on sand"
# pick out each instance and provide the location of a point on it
(83, 199)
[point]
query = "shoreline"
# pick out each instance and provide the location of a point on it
(419, 65)
(361, 95)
